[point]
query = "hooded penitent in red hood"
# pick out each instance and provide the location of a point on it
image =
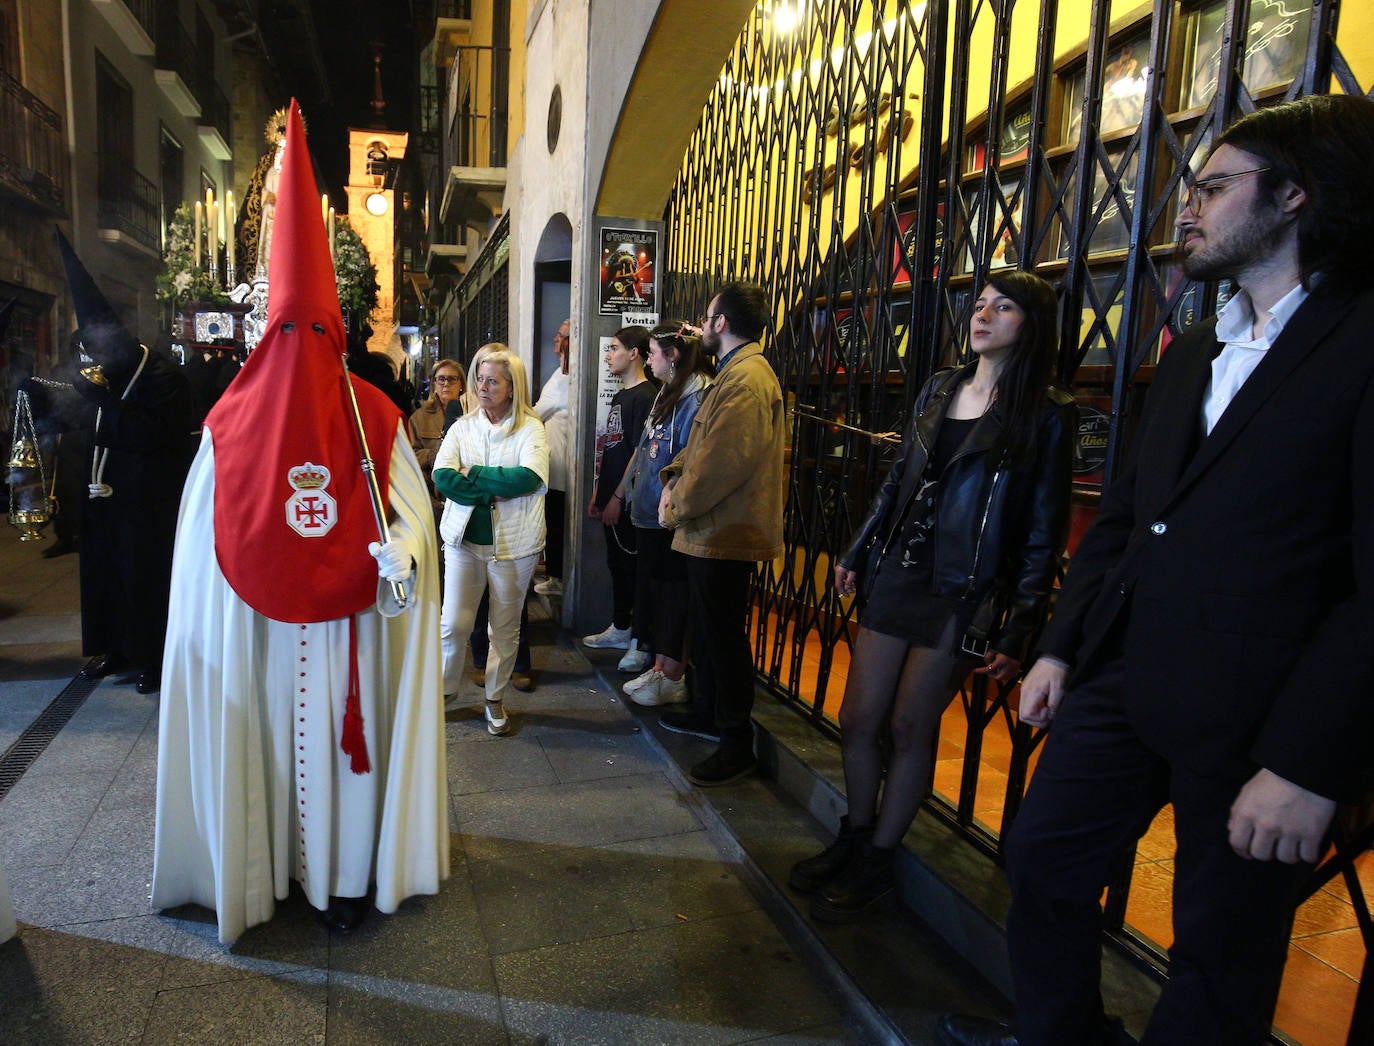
(292, 512)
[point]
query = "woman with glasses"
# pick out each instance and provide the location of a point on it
(446, 384)
(492, 468)
(956, 561)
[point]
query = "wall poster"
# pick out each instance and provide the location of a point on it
(629, 271)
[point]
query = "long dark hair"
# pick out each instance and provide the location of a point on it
(1030, 363)
(691, 359)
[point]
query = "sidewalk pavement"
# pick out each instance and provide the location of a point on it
(593, 897)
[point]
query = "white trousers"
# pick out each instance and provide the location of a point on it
(469, 570)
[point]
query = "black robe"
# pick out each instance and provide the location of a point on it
(127, 538)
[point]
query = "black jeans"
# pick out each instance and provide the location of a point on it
(718, 609)
(555, 519)
(621, 560)
(661, 594)
(1095, 791)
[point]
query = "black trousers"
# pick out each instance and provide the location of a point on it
(1095, 791)
(621, 561)
(718, 606)
(555, 520)
(660, 594)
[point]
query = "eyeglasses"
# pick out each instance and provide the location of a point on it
(710, 318)
(1207, 189)
(447, 379)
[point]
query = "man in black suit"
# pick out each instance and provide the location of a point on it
(1210, 648)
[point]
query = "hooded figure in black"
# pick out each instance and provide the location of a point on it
(137, 466)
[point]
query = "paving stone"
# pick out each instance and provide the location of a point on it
(664, 985)
(284, 1009)
(587, 813)
(364, 1011)
(603, 891)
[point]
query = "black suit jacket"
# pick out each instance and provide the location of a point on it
(1244, 561)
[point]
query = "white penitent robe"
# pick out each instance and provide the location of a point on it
(252, 787)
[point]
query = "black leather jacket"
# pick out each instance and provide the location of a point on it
(999, 529)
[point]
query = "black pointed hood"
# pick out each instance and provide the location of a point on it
(103, 337)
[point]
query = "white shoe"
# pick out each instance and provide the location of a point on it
(641, 681)
(635, 659)
(661, 691)
(612, 637)
(550, 586)
(498, 722)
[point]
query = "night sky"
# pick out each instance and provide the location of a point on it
(346, 30)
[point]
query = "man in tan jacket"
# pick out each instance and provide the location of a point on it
(723, 495)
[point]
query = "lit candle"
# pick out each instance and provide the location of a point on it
(214, 236)
(210, 229)
(196, 238)
(324, 207)
(229, 231)
(333, 254)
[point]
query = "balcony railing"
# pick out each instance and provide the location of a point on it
(427, 137)
(214, 109)
(477, 135)
(174, 49)
(145, 13)
(453, 9)
(33, 160)
(128, 203)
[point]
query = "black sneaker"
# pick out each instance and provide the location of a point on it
(691, 724)
(722, 766)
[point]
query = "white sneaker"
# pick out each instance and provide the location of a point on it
(498, 722)
(550, 586)
(661, 691)
(612, 637)
(635, 659)
(641, 681)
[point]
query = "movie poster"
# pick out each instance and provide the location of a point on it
(629, 278)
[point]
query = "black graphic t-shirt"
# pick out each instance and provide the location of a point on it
(624, 423)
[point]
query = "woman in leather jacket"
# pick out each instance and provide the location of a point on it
(956, 560)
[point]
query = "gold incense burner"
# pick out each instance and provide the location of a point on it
(32, 504)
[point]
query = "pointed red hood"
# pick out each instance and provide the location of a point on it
(292, 511)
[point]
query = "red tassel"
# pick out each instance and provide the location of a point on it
(354, 742)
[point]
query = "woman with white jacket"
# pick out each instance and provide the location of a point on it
(492, 469)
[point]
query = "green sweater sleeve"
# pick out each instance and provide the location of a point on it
(504, 481)
(453, 485)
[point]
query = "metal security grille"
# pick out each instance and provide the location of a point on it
(872, 164)
(483, 296)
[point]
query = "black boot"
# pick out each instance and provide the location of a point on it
(811, 874)
(865, 886)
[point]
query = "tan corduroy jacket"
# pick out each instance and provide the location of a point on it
(727, 495)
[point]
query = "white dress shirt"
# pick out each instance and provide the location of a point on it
(1241, 353)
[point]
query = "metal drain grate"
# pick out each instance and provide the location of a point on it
(30, 744)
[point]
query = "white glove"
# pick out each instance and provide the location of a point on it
(393, 560)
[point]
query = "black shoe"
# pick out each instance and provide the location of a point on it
(691, 724)
(810, 875)
(957, 1029)
(149, 682)
(60, 548)
(104, 666)
(864, 887)
(344, 913)
(722, 766)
